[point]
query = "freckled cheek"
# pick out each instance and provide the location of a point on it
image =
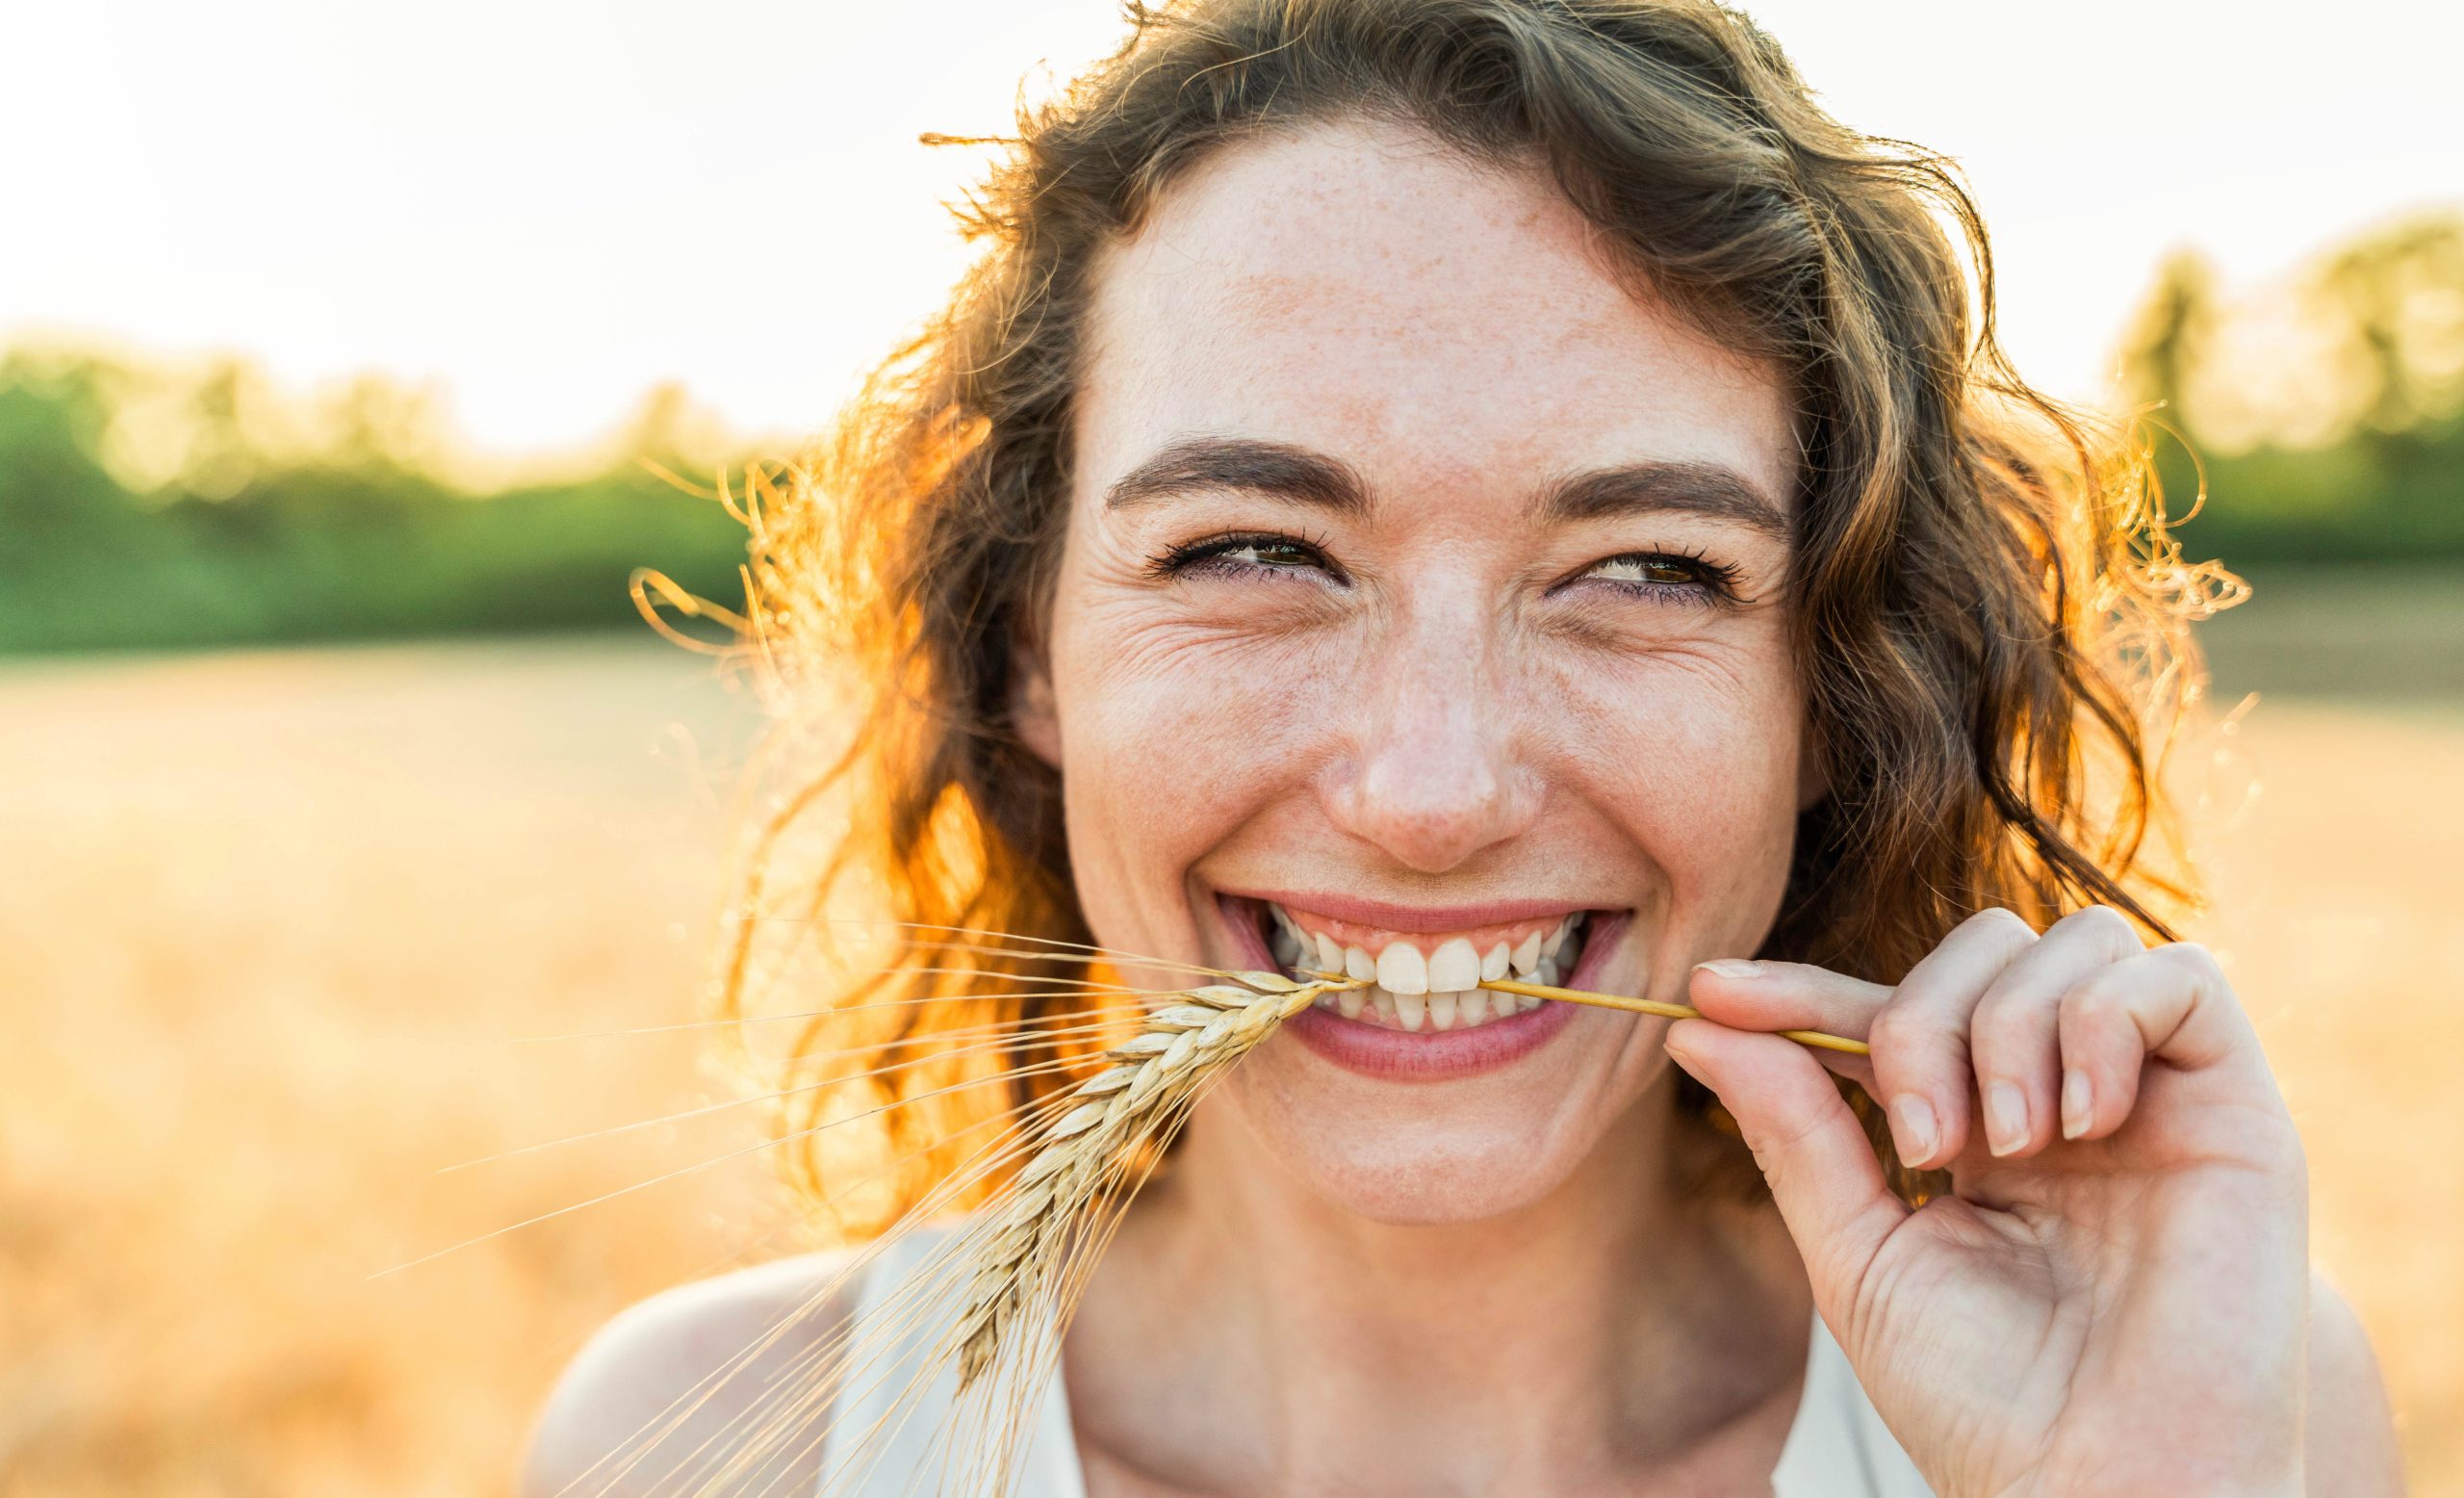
(1148, 705)
(1169, 746)
(1703, 772)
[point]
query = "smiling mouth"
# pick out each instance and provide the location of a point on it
(1428, 981)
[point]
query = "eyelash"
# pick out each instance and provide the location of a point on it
(1712, 581)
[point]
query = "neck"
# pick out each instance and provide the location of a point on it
(1612, 1322)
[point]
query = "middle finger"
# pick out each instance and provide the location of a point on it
(2014, 1036)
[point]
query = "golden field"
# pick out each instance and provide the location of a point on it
(274, 928)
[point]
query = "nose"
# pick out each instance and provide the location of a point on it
(1434, 776)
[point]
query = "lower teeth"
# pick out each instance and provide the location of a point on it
(1417, 1013)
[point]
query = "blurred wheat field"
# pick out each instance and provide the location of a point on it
(273, 926)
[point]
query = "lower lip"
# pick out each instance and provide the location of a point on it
(1426, 1055)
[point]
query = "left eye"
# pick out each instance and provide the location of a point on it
(1648, 569)
(1269, 553)
(1242, 554)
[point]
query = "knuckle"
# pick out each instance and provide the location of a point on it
(1776, 1141)
(2206, 973)
(2107, 923)
(2195, 957)
(1998, 917)
(1903, 1028)
(2097, 1000)
(2008, 1017)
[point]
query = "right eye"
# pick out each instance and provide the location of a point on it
(1269, 554)
(1244, 554)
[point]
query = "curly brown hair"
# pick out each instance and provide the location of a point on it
(1991, 618)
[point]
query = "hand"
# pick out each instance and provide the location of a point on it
(2113, 1298)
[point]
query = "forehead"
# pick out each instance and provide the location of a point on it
(1357, 288)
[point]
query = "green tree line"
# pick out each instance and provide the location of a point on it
(2324, 415)
(357, 536)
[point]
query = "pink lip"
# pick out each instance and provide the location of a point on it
(1427, 1055)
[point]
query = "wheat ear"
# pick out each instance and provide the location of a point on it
(1122, 1111)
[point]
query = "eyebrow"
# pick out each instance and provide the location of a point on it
(1278, 469)
(1284, 470)
(1712, 490)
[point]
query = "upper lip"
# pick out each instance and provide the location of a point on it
(1426, 919)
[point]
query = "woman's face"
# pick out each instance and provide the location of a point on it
(1421, 595)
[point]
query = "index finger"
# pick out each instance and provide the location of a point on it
(1777, 997)
(1761, 995)
(1920, 1069)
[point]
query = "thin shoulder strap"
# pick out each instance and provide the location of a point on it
(892, 1418)
(883, 1422)
(1838, 1447)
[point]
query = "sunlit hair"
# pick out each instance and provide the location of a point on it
(1991, 618)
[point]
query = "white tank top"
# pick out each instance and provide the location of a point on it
(1837, 1446)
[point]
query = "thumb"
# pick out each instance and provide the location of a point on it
(1820, 1166)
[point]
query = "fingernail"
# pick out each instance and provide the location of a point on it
(2077, 1103)
(1911, 1123)
(1732, 968)
(2006, 1117)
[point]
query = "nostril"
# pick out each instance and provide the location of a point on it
(1431, 789)
(1429, 833)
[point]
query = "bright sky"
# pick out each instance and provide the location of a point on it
(549, 205)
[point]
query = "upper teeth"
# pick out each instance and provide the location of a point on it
(1435, 990)
(1402, 970)
(1452, 966)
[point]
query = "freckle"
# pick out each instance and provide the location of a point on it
(1363, 415)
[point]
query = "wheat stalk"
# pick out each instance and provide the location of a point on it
(1665, 1010)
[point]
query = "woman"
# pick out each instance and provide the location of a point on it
(1512, 478)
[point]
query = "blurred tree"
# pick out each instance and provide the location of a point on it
(2324, 415)
(51, 422)
(376, 425)
(220, 459)
(2397, 299)
(136, 510)
(2166, 339)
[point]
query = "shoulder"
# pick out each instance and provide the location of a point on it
(643, 1400)
(2350, 1438)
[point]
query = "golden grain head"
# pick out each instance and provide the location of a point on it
(1122, 1114)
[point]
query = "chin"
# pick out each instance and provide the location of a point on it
(1403, 1167)
(1446, 1149)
